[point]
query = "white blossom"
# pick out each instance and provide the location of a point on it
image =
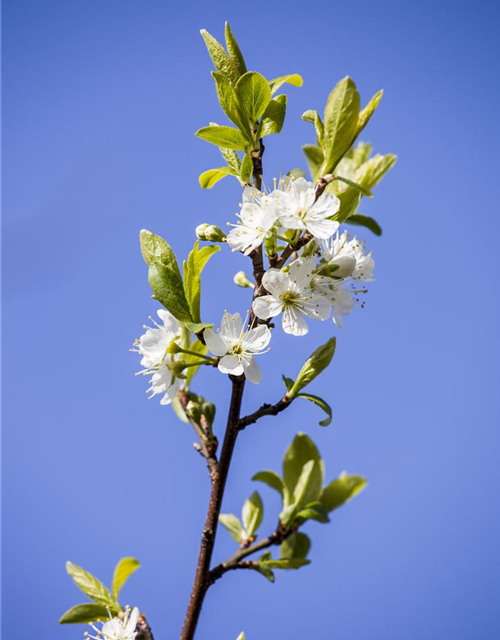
(237, 347)
(257, 219)
(156, 360)
(291, 293)
(339, 298)
(298, 208)
(119, 628)
(349, 256)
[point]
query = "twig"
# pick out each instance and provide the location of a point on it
(143, 629)
(207, 448)
(265, 410)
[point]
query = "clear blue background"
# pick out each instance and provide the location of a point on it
(101, 100)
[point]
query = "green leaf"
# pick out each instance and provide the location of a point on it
(209, 178)
(285, 563)
(274, 116)
(272, 479)
(241, 636)
(253, 94)
(197, 327)
(156, 249)
(232, 159)
(192, 276)
(226, 137)
(314, 365)
(368, 111)
(123, 570)
(197, 347)
(370, 173)
(179, 411)
(313, 511)
(168, 289)
(341, 491)
(82, 613)
(293, 79)
(252, 513)
(315, 118)
(295, 546)
(246, 169)
(288, 382)
(233, 525)
(234, 51)
(315, 158)
(354, 185)
(91, 586)
(262, 568)
(320, 403)
(365, 221)
(341, 121)
(309, 485)
(229, 102)
(222, 62)
(349, 202)
(301, 451)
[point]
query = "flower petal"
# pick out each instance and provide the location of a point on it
(215, 343)
(275, 281)
(267, 307)
(252, 370)
(294, 322)
(230, 364)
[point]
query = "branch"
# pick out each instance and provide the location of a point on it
(143, 629)
(207, 448)
(235, 561)
(265, 410)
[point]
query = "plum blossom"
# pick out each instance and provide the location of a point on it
(298, 208)
(153, 347)
(237, 347)
(122, 628)
(349, 257)
(291, 293)
(338, 297)
(257, 218)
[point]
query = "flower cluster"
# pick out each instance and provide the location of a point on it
(153, 346)
(312, 286)
(120, 628)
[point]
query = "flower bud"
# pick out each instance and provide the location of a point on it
(173, 347)
(210, 233)
(241, 280)
(208, 410)
(193, 411)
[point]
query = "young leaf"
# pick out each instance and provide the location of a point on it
(246, 169)
(314, 365)
(192, 276)
(373, 170)
(91, 586)
(82, 613)
(320, 403)
(168, 289)
(288, 382)
(241, 636)
(285, 563)
(156, 249)
(366, 221)
(234, 51)
(341, 491)
(262, 567)
(354, 185)
(312, 511)
(295, 546)
(197, 347)
(349, 201)
(314, 117)
(232, 159)
(123, 570)
(253, 94)
(252, 513)
(293, 79)
(272, 479)
(179, 411)
(274, 116)
(225, 137)
(233, 525)
(315, 158)
(228, 100)
(197, 327)
(301, 451)
(309, 485)
(209, 178)
(368, 111)
(222, 62)
(341, 121)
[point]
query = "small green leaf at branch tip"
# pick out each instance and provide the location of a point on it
(294, 79)
(233, 525)
(234, 50)
(317, 362)
(197, 327)
(222, 61)
(341, 490)
(367, 112)
(272, 479)
(224, 137)
(91, 586)
(295, 546)
(253, 94)
(340, 122)
(285, 563)
(211, 177)
(273, 117)
(320, 403)
(168, 289)
(354, 185)
(315, 158)
(123, 570)
(252, 513)
(84, 613)
(155, 249)
(193, 267)
(246, 169)
(241, 636)
(361, 220)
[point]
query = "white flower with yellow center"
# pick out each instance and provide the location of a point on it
(257, 219)
(338, 297)
(237, 347)
(349, 257)
(119, 628)
(291, 293)
(298, 208)
(153, 347)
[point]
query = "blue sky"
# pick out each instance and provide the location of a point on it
(101, 100)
